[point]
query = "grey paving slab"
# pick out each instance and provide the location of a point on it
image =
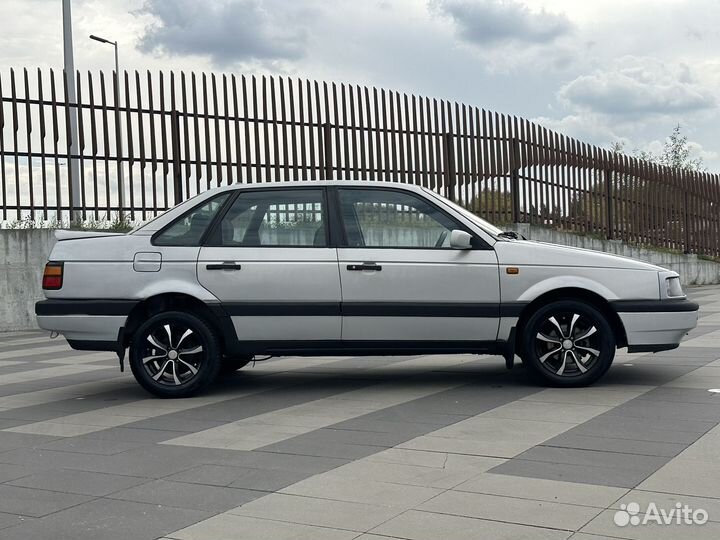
(602, 476)
(239, 477)
(107, 520)
(175, 422)
(640, 429)
(306, 445)
(129, 435)
(594, 458)
(680, 395)
(78, 482)
(35, 502)
(198, 497)
(415, 525)
(11, 520)
(91, 446)
(12, 441)
(276, 461)
(611, 444)
(667, 412)
(56, 382)
(11, 472)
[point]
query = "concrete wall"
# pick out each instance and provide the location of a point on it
(692, 270)
(23, 254)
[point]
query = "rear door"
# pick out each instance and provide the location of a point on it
(268, 261)
(402, 282)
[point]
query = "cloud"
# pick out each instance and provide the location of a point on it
(226, 31)
(633, 86)
(493, 22)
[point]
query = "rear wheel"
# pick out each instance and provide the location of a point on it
(568, 343)
(174, 354)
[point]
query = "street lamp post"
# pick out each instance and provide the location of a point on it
(118, 127)
(69, 66)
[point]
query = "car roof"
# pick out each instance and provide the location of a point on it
(318, 183)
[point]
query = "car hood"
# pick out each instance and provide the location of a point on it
(528, 252)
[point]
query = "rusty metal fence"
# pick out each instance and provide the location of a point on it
(186, 133)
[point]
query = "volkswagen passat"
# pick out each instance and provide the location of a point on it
(340, 267)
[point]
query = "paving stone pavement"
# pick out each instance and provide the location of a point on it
(418, 448)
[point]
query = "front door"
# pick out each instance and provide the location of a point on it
(401, 280)
(269, 263)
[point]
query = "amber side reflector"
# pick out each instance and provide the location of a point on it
(53, 276)
(512, 270)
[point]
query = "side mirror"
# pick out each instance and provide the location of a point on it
(460, 239)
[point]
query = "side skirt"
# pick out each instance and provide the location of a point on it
(368, 348)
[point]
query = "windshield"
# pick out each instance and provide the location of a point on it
(480, 222)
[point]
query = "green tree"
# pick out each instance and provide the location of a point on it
(676, 153)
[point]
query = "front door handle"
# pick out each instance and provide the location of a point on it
(364, 266)
(223, 266)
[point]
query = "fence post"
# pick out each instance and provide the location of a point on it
(686, 220)
(449, 155)
(177, 172)
(610, 208)
(515, 181)
(327, 145)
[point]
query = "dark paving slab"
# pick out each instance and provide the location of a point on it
(35, 502)
(611, 444)
(107, 519)
(91, 446)
(239, 477)
(11, 520)
(602, 476)
(200, 497)
(12, 441)
(78, 482)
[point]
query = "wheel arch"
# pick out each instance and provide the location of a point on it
(573, 293)
(211, 314)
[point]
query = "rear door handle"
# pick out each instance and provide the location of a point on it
(223, 266)
(364, 266)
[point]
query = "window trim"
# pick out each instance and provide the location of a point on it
(477, 242)
(230, 196)
(221, 215)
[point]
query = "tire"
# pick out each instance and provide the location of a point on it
(568, 343)
(165, 369)
(231, 364)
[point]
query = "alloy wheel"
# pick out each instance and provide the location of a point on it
(568, 344)
(172, 353)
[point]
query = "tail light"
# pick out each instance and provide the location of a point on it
(53, 276)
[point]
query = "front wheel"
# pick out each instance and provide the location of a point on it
(568, 343)
(174, 354)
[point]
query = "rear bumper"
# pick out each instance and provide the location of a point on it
(84, 327)
(91, 324)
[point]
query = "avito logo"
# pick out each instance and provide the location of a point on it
(680, 514)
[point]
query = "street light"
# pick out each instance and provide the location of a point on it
(69, 66)
(118, 127)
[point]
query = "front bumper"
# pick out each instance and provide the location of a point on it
(656, 325)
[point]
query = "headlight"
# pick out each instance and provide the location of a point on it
(673, 287)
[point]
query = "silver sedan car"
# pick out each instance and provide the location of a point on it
(350, 268)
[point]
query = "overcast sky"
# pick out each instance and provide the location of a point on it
(598, 70)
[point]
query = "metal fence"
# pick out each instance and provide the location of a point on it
(186, 133)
